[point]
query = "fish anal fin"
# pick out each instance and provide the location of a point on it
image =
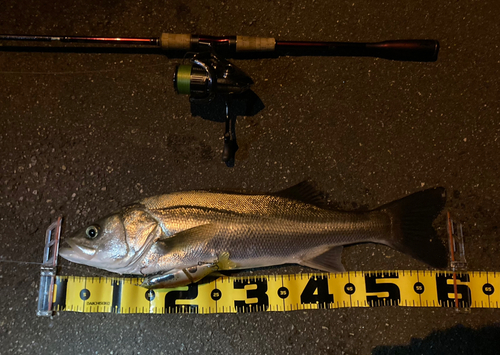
(330, 261)
(304, 192)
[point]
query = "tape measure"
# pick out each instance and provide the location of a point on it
(282, 292)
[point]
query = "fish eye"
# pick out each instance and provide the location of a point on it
(92, 232)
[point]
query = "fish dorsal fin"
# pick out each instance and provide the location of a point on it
(304, 192)
(330, 261)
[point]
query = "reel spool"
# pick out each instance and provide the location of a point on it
(206, 76)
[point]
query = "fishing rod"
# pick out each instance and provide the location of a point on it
(209, 73)
(410, 50)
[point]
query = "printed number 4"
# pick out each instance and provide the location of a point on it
(316, 292)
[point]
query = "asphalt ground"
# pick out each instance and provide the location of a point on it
(84, 133)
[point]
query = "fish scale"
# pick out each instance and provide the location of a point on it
(252, 238)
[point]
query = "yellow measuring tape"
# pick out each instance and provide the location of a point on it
(282, 292)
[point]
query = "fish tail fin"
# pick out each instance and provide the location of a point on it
(411, 223)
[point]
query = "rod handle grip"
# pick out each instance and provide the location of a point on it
(255, 44)
(185, 42)
(175, 42)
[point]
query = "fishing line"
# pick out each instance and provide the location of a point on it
(79, 268)
(19, 262)
(86, 71)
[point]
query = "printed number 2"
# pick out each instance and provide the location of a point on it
(316, 292)
(172, 296)
(259, 293)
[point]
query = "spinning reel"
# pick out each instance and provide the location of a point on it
(207, 76)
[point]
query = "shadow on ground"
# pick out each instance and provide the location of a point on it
(457, 340)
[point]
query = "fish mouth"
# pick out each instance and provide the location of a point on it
(73, 252)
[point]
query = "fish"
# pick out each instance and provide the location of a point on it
(180, 238)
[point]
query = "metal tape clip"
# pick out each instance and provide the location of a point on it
(49, 268)
(457, 247)
(457, 257)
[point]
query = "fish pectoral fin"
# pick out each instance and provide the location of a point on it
(330, 261)
(194, 233)
(189, 237)
(179, 277)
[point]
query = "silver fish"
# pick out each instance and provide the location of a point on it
(179, 238)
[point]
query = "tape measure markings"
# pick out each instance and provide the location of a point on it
(408, 288)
